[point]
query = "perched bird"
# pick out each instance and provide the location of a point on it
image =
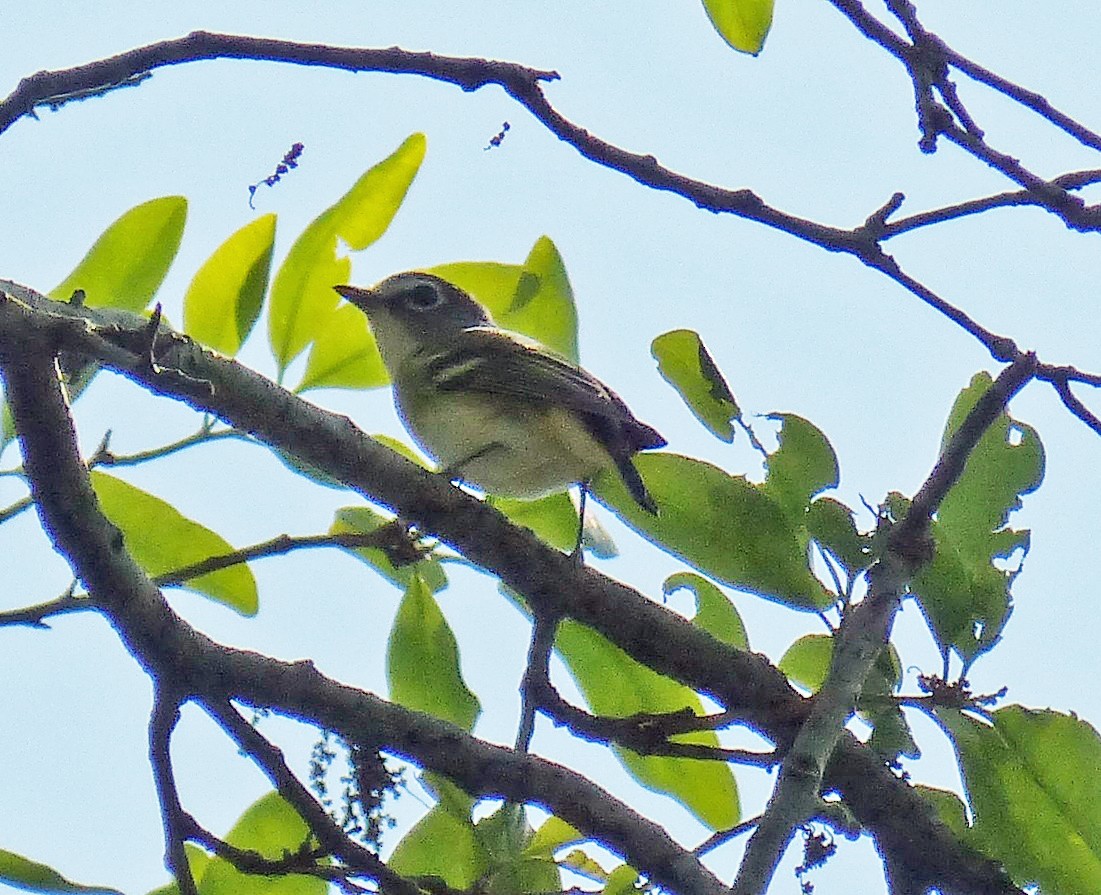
(496, 410)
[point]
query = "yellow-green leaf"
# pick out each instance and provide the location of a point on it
(443, 844)
(365, 520)
(224, 298)
(616, 685)
(584, 864)
(622, 880)
(553, 518)
(544, 308)
(1031, 779)
(273, 828)
(732, 530)
(744, 24)
(161, 539)
(533, 298)
(551, 836)
(302, 296)
(23, 873)
(344, 354)
(807, 661)
(685, 364)
(715, 613)
(128, 263)
(422, 660)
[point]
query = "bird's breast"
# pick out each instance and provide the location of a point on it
(500, 444)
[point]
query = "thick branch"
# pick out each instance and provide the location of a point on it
(743, 682)
(170, 649)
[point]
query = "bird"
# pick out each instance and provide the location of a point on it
(497, 410)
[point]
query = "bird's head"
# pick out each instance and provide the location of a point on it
(409, 311)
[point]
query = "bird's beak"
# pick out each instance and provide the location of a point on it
(364, 299)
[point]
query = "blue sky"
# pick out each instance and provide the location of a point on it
(820, 125)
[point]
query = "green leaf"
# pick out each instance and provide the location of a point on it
(533, 298)
(302, 296)
(271, 827)
(422, 661)
(553, 518)
(727, 528)
(807, 661)
(7, 427)
(744, 24)
(891, 734)
(802, 465)
(964, 595)
(442, 844)
(621, 880)
(408, 452)
(584, 864)
(554, 834)
(364, 520)
(225, 296)
(544, 308)
(504, 837)
(685, 364)
(162, 539)
(344, 354)
(949, 807)
(1031, 779)
(715, 612)
(128, 263)
(615, 685)
(23, 873)
(831, 524)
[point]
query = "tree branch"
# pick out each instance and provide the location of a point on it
(743, 682)
(165, 716)
(927, 63)
(355, 858)
(525, 86)
(387, 538)
(864, 631)
(169, 648)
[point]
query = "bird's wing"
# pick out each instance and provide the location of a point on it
(499, 362)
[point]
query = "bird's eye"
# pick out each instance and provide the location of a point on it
(424, 297)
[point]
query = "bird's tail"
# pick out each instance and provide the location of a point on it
(634, 483)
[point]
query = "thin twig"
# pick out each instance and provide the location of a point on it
(537, 671)
(332, 838)
(724, 836)
(280, 545)
(165, 716)
(35, 616)
(643, 734)
(103, 456)
(13, 510)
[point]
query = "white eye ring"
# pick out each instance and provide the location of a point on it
(424, 297)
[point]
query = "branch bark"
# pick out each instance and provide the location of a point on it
(31, 330)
